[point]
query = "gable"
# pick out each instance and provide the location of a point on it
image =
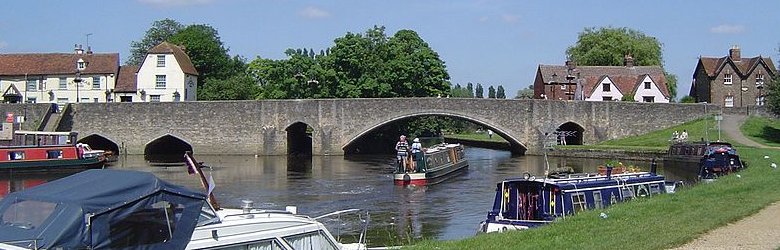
(12, 91)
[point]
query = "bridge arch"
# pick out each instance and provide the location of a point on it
(166, 148)
(299, 138)
(98, 141)
(570, 133)
(516, 146)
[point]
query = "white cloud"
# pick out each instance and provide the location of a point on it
(174, 3)
(727, 29)
(510, 18)
(313, 13)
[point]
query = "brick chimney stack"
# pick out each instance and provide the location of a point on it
(78, 49)
(628, 61)
(735, 54)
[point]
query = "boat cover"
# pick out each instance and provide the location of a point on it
(101, 209)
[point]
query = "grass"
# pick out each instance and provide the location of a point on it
(762, 130)
(658, 222)
(477, 137)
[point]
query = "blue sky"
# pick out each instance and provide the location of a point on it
(481, 41)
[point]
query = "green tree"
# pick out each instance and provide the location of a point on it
(208, 54)
(607, 46)
(671, 85)
(687, 99)
(526, 93)
(238, 87)
(491, 92)
(773, 95)
(160, 31)
(479, 92)
(500, 93)
(459, 91)
(470, 88)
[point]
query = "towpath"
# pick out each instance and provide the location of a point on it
(758, 231)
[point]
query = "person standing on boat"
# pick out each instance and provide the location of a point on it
(402, 152)
(416, 154)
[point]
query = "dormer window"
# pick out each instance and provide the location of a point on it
(647, 85)
(605, 87)
(160, 60)
(727, 78)
(81, 64)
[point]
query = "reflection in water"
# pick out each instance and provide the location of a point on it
(318, 185)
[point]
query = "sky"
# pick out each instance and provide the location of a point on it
(481, 41)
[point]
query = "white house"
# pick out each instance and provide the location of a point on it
(166, 75)
(601, 83)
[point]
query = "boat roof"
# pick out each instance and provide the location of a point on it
(54, 214)
(597, 180)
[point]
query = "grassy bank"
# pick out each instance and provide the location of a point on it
(477, 137)
(762, 130)
(658, 222)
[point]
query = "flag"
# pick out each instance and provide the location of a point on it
(192, 168)
(211, 184)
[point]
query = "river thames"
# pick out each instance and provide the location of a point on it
(318, 185)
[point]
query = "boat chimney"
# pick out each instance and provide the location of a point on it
(609, 171)
(291, 209)
(247, 208)
(653, 166)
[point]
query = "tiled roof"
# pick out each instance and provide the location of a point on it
(626, 79)
(713, 65)
(57, 63)
(184, 61)
(126, 79)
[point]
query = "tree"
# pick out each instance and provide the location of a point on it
(470, 88)
(479, 92)
(687, 99)
(160, 31)
(773, 95)
(491, 92)
(209, 56)
(458, 91)
(526, 93)
(238, 87)
(607, 46)
(500, 94)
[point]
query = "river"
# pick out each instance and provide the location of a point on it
(318, 185)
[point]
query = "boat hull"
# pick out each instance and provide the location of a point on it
(431, 176)
(86, 163)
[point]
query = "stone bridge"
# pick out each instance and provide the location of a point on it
(265, 127)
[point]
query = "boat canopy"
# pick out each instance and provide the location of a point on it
(101, 209)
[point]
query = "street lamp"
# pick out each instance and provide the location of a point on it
(77, 80)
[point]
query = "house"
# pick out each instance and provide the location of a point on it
(732, 81)
(601, 83)
(166, 75)
(81, 76)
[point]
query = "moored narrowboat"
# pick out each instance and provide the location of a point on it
(38, 150)
(720, 158)
(528, 202)
(434, 165)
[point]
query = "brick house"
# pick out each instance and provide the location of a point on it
(732, 81)
(601, 83)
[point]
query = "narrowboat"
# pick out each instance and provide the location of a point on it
(527, 202)
(137, 210)
(437, 162)
(710, 160)
(38, 150)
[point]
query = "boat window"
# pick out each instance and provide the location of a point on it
(207, 215)
(311, 241)
(578, 201)
(53, 154)
(597, 199)
(655, 189)
(154, 223)
(27, 214)
(16, 155)
(269, 244)
(642, 190)
(627, 192)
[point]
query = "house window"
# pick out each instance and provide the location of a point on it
(759, 79)
(648, 99)
(605, 87)
(760, 100)
(96, 82)
(154, 98)
(85, 99)
(606, 98)
(63, 83)
(727, 79)
(160, 60)
(160, 82)
(729, 101)
(647, 85)
(81, 64)
(125, 99)
(32, 99)
(32, 85)
(95, 99)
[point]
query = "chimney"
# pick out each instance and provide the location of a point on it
(628, 61)
(78, 49)
(735, 54)
(89, 50)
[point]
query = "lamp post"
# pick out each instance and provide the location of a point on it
(77, 80)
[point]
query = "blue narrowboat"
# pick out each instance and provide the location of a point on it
(527, 202)
(719, 159)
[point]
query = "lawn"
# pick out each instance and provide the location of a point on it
(762, 130)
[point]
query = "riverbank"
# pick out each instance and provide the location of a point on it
(626, 153)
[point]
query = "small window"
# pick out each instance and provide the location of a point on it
(312, 240)
(96, 82)
(85, 99)
(16, 155)
(154, 98)
(605, 87)
(578, 201)
(32, 85)
(729, 101)
(647, 85)
(759, 79)
(160, 60)
(63, 83)
(648, 99)
(627, 192)
(27, 214)
(152, 224)
(727, 78)
(269, 244)
(597, 199)
(655, 189)
(760, 100)
(95, 99)
(53, 154)
(160, 82)
(32, 99)
(606, 98)
(125, 99)
(80, 64)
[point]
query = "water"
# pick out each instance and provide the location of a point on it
(448, 210)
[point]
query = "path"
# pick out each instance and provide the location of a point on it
(758, 231)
